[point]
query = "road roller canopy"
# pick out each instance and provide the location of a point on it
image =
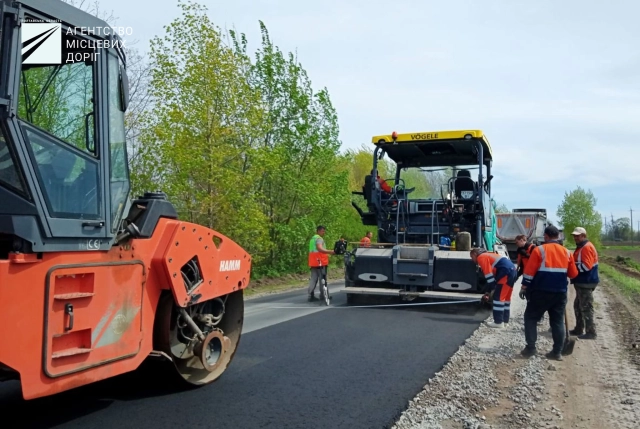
(435, 148)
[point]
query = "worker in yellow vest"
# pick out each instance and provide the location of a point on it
(318, 260)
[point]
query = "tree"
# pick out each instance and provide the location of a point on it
(438, 180)
(415, 178)
(301, 179)
(621, 228)
(578, 209)
(243, 146)
(502, 208)
(199, 144)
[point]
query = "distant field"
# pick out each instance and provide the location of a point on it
(621, 244)
(625, 259)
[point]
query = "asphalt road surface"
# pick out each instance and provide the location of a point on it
(304, 367)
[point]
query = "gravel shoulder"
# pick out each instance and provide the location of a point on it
(487, 384)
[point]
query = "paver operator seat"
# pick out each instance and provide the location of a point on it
(464, 186)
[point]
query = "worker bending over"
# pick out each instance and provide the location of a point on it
(544, 284)
(501, 275)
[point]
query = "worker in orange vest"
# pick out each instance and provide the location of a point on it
(586, 259)
(318, 260)
(500, 274)
(544, 284)
(383, 184)
(366, 240)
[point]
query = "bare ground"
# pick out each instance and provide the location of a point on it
(599, 385)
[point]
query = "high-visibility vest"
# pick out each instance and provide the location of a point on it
(586, 258)
(548, 268)
(365, 242)
(494, 267)
(317, 259)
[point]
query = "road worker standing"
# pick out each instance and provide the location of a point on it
(366, 240)
(500, 274)
(318, 260)
(524, 252)
(544, 284)
(586, 259)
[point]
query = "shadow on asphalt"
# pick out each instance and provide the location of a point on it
(71, 405)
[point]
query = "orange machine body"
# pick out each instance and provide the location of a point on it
(72, 318)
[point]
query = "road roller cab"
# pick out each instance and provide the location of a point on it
(423, 243)
(92, 283)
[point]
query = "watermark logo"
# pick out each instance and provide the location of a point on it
(41, 43)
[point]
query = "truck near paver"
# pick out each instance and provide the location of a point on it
(529, 222)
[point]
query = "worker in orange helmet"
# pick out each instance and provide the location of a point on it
(366, 240)
(500, 274)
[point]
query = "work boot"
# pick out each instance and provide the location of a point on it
(528, 352)
(553, 356)
(576, 332)
(588, 336)
(312, 298)
(495, 325)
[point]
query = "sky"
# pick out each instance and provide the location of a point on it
(554, 85)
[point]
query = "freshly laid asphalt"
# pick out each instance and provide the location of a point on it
(304, 367)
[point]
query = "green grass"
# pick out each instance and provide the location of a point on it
(627, 284)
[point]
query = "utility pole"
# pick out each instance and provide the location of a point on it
(613, 228)
(631, 210)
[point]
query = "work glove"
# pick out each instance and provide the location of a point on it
(523, 293)
(485, 298)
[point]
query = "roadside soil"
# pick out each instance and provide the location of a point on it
(268, 286)
(626, 253)
(486, 384)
